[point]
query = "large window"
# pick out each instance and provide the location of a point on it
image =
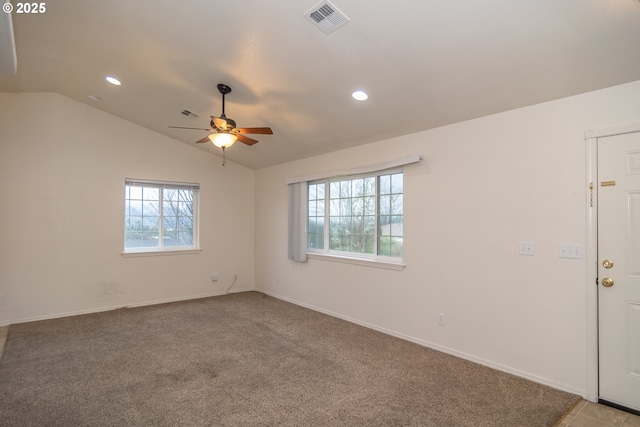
(357, 215)
(160, 216)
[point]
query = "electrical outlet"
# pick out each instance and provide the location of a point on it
(214, 277)
(526, 248)
(440, 318)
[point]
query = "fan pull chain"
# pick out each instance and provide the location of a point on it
(223, 157)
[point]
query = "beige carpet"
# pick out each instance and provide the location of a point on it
(249, 360)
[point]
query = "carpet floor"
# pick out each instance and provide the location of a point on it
(249, 360)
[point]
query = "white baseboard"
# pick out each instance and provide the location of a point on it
(117, 307)
(434, 346)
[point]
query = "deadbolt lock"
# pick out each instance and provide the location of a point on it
(607, 282)
(607, 263)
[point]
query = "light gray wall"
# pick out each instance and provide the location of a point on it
(62, 171)
(484, 185)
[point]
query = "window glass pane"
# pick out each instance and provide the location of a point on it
(170, 194)
(170, 207)
(150, 223)
(151, 193)
(150, 208)
(311, 227)
(397, 183)
(384, 245)
(370, 225)
(334, 228)
(320, 191)
(345, 207)
(334, 191)
(369, 205)
(357, 187)
(169, 223)
(384, 184)
(334, 241)
(185, 224)
(395, 246)
(369, 244)
(357, 225)
(320, 225)
(185, 208)
(345, 189)
(357, 244)
(134, 207)
(396, 226)
(135, 192)
(170, 238)
(312, 239)
(384, 225)
(185, 238)
(396, 204)
(357, 206)
(385, 205)
(370, 186)
(133, 223)
(347, 225)
(334, 207)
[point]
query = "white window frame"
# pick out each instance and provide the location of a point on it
(160, 249)
(375, 260)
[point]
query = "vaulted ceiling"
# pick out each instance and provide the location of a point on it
(424, 63)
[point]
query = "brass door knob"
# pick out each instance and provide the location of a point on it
(607, 282)
(607, 263)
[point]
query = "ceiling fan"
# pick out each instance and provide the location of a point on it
(224, 132)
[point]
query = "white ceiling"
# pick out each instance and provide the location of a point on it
(424, 63)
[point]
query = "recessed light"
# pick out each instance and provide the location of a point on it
(360, 95)
(113, 80)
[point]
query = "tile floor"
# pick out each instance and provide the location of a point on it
(588, 414)
(584, 414)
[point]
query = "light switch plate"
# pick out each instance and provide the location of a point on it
(570, 250)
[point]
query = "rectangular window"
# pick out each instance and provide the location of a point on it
(359, 216)
(160, 216)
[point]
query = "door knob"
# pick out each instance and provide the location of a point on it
(607, 282)
(607, 263)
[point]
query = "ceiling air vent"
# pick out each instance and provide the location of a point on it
(190, 113)
(327, 17)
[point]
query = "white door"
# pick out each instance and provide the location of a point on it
(619, 269)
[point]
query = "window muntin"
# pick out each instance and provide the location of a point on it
(357, 216)
(160, 216)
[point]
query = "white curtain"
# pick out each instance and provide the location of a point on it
(298, 221)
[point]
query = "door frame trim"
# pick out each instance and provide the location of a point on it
(591, 253)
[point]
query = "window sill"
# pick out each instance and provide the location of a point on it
(160, 253)
(390, 265)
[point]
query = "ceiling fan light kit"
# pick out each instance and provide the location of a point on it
(223, 140)
(224, 132)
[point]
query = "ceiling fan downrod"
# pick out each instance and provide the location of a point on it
(223, 89)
